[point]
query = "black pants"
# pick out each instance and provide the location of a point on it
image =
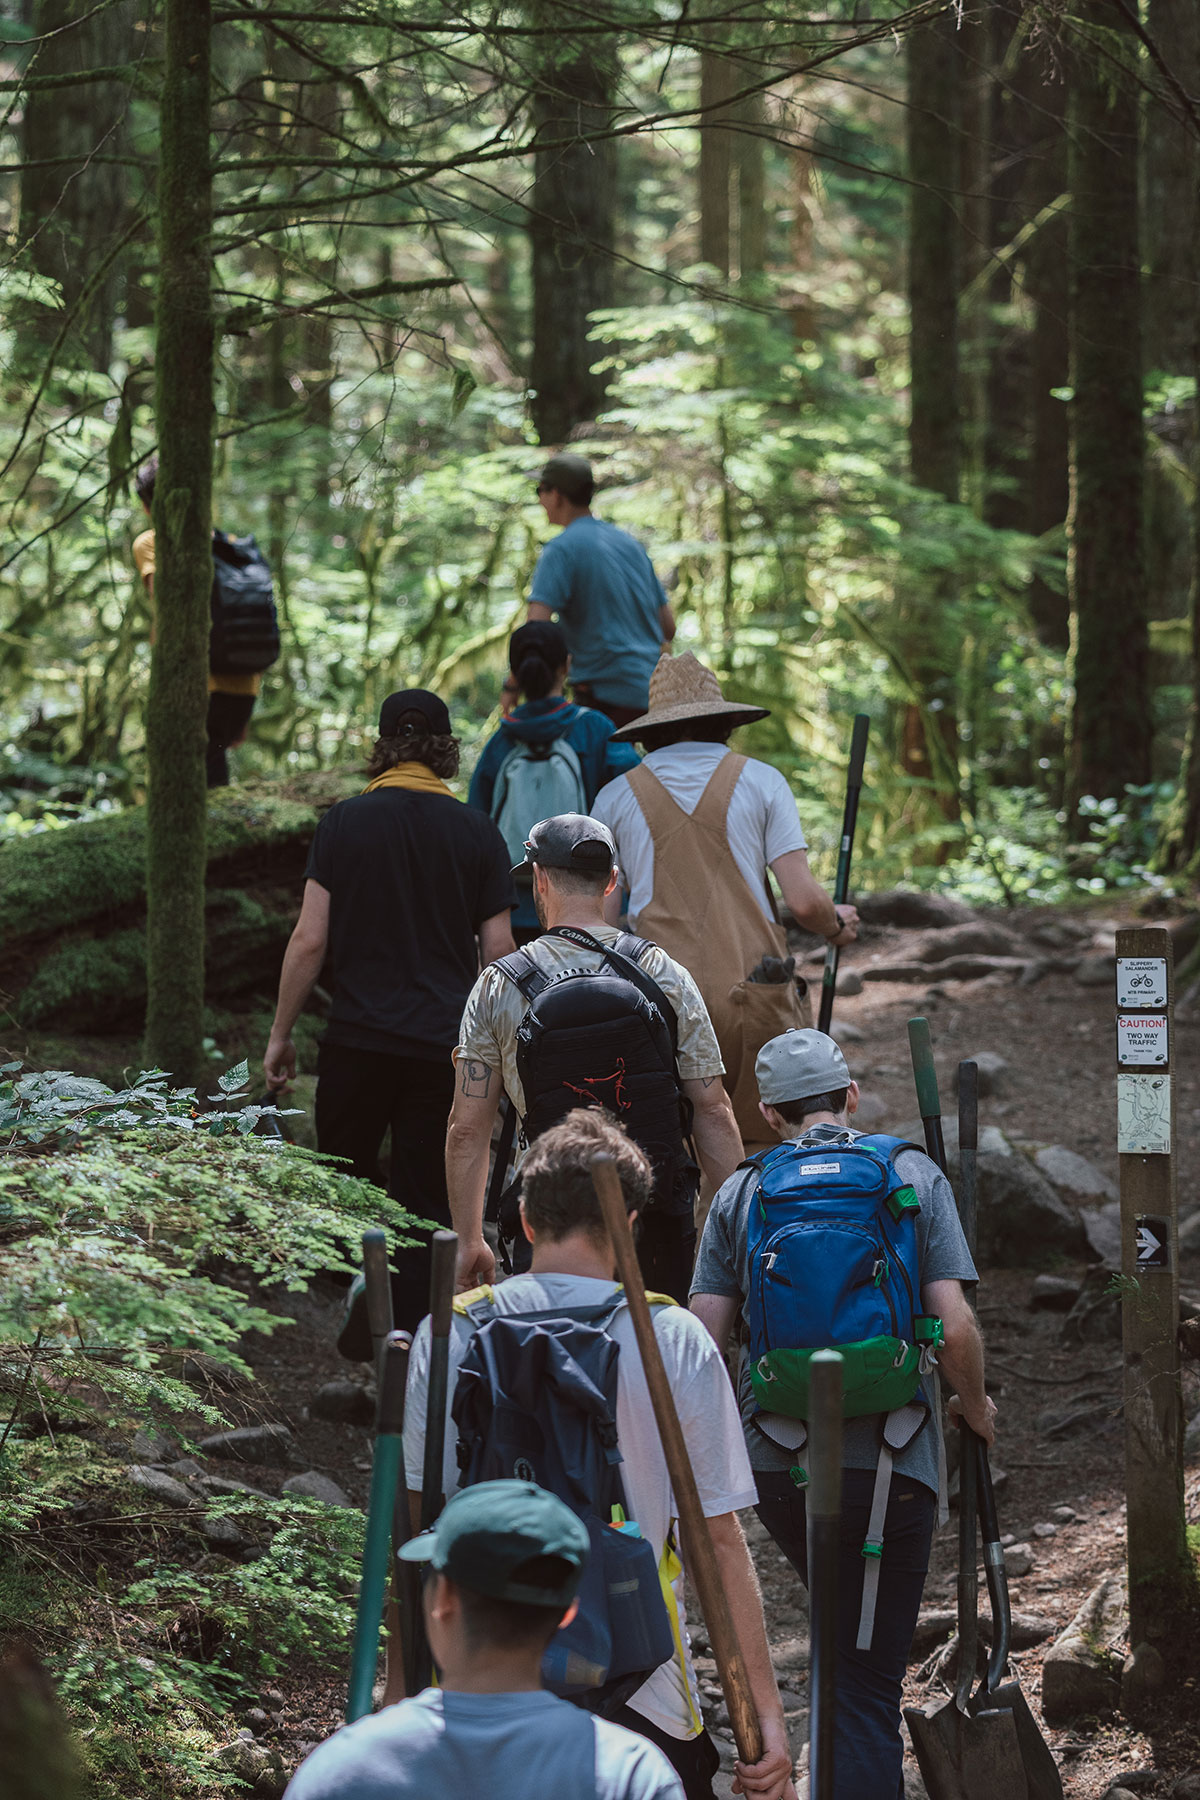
(666, 1251)
(868, 1752)
(581, 693)
(360, 1094)
(694, 1760)
(228, 717)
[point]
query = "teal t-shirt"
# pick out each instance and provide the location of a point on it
(509, 1745)
(602, 585)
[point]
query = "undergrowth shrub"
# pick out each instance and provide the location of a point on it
(138, 1231)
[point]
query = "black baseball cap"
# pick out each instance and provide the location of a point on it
(570, 475)
(570, 841)
(414, 709)
(488, 1533)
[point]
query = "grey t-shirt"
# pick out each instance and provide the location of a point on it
(723, 1267)
(527, 1743)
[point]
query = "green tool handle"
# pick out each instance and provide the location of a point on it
(823, 1506)
(385, 1475)
(841, 882)
(925, 1074)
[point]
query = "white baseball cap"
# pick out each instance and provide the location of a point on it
(797, 1064)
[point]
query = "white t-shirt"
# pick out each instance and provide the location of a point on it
(762, 824)
(708, 1414)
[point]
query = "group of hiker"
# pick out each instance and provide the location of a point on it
(587, 960)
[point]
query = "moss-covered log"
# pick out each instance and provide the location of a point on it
(73, 904)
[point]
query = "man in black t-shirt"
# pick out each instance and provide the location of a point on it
(408, 892)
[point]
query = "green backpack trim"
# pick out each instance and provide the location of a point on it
(878, 1375)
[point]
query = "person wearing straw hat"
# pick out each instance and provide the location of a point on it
(697, 826)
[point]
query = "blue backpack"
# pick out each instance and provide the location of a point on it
(832, 1244)
(536, 1401)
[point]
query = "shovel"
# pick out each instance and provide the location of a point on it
(986, 1747)
(385, 1475)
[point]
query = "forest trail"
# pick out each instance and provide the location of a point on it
(1057, 1382)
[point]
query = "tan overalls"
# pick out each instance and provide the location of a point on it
(703, 913)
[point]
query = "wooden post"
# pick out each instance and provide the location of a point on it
(1161, 1578)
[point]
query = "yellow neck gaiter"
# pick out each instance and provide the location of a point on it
(415, 775)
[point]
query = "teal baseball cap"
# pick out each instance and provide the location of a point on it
(489, 1533)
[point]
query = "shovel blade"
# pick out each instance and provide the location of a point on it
(967, 1757)
(1041, 1771)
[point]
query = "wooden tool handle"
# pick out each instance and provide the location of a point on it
(701, 1557)
(378, 1283)
(441, 1282)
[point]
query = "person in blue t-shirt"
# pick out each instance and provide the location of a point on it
(489, 1727)
(539, 662)
(602, 585)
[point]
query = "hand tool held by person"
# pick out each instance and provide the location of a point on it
(824, 1532)
(385, 1476)
(698, 1546)
(441, 1304)
(992, 1750)
(841, 885)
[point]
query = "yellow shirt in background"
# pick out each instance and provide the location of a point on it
(143, 560)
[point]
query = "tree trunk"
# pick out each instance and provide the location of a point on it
(571, 230)
(750, 153)
(178, 700)
(72, 207)
(716, 162)
(1110, 730)
(935, 427)
(1048, 485)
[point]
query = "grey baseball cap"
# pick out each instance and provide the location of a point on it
(570, 841)
(797, 1064)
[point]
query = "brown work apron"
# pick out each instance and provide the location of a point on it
(703, 913)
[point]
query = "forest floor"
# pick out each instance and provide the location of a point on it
(1056, 1036)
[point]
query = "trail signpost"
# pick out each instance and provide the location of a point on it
(1161, 1580)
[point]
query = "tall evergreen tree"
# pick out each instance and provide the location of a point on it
(935, 425)
(572, 225)
(175, 713)
(1111, 725)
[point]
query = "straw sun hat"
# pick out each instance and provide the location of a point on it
(682, 688)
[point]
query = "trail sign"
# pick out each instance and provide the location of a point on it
(1141, 980)
(1161, 1575)
(1153, 1239)
(1142, 1040)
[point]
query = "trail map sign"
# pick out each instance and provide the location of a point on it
(1144, 1115)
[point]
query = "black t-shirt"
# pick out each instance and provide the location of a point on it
(411, 878)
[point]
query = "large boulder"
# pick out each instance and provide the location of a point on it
(978, 938)
(1082, 1670)
(270, 1444)
(1073, 1175)
(911, 910)
(1021, 1217)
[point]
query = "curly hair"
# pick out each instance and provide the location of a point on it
(437, 752)
(556, 1177)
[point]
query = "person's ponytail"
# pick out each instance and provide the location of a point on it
(534, 676)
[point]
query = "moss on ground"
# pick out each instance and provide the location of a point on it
(52, 880)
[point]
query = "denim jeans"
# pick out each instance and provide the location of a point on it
(868, 1749)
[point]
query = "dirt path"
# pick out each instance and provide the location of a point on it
(1057, 1038)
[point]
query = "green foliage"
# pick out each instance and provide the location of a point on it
(135, 1232)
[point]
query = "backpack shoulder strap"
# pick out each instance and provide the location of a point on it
(623, 956)
(889, 1146)
(521, 969)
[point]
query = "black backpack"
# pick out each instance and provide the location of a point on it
(244, 639)
(536, 1400)
(606, 1037)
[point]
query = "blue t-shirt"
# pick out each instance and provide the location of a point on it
(602, 585)
(509, 1745)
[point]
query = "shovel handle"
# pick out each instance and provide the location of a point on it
(385, 1474)
(377, 1281)
(920, 1049)
(824, 1508)
(702, 1567)
(841, 883)
(993, 1560)
(968, 1149)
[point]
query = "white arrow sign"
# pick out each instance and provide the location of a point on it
(1147, 1244)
